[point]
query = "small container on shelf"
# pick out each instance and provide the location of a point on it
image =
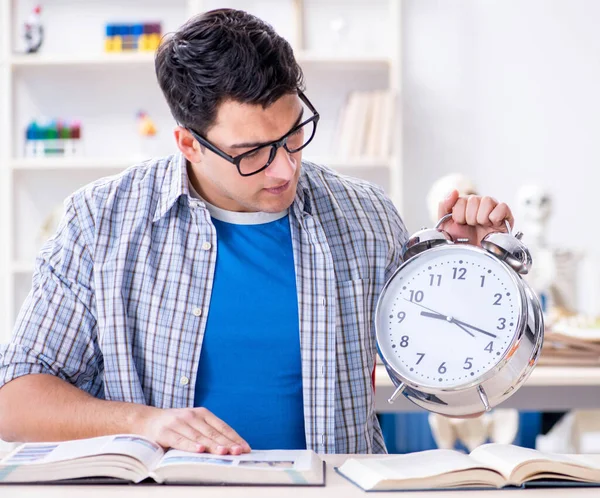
(52, 138)
(144, 37)
(148, 141)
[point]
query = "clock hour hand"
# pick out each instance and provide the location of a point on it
(439, 316)
(446, 319)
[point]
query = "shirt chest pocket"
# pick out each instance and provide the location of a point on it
(355, 333)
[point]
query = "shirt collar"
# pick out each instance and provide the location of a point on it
(302, 202)
(176, 184)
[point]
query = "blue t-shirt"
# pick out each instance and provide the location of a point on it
(250, 373)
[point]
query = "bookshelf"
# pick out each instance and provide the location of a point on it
(72, 77)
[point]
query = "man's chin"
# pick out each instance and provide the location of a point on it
(276, 205)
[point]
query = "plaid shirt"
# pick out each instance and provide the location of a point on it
(121, 293)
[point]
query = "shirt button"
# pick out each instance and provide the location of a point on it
(206, 246)
(195, 204)
(197, 311)
(184, 381)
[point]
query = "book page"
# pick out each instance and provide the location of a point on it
(420, 465)
(144, 450)
(421, 470)
(510, 459)
(257, 467)
(273, 459)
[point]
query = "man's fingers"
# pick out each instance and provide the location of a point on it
(219, 439)
(217, 424)
(472, 209)
(445, 206)
(202, 444)
(486, 206)
(459, 211)
(500, 213)
(172, 438)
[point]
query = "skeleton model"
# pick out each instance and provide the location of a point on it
(498, 426)
(552, 276)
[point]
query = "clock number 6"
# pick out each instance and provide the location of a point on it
(442, 368)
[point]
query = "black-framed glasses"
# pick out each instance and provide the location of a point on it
(258, 159)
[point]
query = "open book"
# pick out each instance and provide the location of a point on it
(134, 459)
(488, 466)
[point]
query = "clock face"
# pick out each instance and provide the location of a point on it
(448, 317)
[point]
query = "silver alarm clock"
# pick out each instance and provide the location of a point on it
(458, 328)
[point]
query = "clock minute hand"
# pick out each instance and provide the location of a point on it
(476, 328)
(446, 319)
(452, 320)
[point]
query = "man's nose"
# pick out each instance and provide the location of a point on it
(283, 165)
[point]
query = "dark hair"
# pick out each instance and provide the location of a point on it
(219, 55)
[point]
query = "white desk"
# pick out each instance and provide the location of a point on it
(337, 487)
(547, 389)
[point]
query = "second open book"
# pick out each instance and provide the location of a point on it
(489, 466)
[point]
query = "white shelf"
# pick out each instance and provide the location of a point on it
(351, 162)
(101, 59)
(351, 60)
(71, 163)
(100, 163)
(147, 58)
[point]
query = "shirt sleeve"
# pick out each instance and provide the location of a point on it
(56, 330)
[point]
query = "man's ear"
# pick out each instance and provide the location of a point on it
(188, 145)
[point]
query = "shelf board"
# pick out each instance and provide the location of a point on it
(351, 162)
(71, 163)
(350, 60)
(147, 58)
(99, 163)
(99, 59)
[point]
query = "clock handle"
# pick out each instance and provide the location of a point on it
(446, 217)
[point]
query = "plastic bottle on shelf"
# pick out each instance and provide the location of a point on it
(109, 40)
(129, 42)
(31, 136)
(52, 146)
(63, 137)
(114, 39)
(137, 31)
(76, 143)
(155, 35)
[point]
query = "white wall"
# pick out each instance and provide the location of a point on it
(508, 92)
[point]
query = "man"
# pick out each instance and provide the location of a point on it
(221, 298)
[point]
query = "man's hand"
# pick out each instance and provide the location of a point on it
(473, 217)
(192, 429)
